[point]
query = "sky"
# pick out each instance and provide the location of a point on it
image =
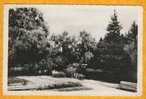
(92, 18)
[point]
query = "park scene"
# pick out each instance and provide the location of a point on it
(47, 53)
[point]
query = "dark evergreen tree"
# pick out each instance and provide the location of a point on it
(132, 33)
(113, 28)
(110, 54)
(131, 48)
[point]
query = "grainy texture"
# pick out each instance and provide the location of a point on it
(105, 2)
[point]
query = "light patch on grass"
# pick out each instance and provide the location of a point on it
(42, 83)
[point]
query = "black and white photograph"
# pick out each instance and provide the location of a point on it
(73, 50)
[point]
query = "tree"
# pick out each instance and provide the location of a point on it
(131, 48)
(27, 36)
(63, 50)
(132, 33)
(110, 56)
(86, 46)
(114, 29)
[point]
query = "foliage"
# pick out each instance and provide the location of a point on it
(86, 45)
(27, 36)
(110, 55)
(58, 74)
(131, 49)
(31, 47)
(63, 50)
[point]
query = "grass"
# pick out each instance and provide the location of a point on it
(14, 80)
(74, 89)
(41, 83)
(60, 85)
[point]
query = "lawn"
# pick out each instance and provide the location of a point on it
(40, 83)
(47, 85)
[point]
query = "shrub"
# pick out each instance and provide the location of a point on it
(79, 76)
(58, 74)
(65, 85)
(60, 85)
(70, 71)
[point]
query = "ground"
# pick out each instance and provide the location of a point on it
(41, 85)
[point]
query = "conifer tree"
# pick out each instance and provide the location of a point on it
(113, 30)
(111, 56)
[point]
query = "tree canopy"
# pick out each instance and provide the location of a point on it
(31, 46)
(27, 36)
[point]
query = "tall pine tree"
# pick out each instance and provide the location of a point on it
(131, 49)
(113, 29)
(111, 56)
